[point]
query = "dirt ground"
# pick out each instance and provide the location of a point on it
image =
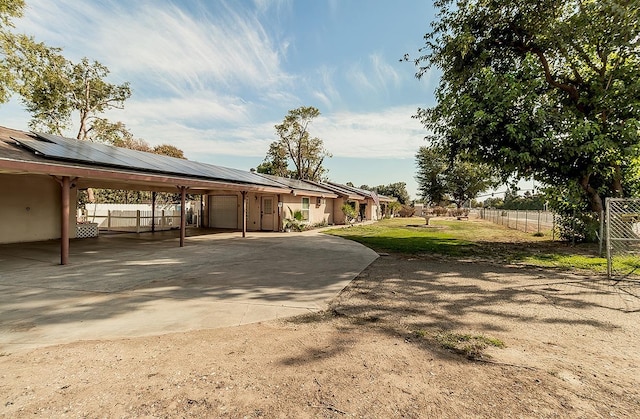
(410, 337)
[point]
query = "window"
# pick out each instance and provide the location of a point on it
(305, 209)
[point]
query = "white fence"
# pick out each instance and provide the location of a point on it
(134, 218)
(528, 221)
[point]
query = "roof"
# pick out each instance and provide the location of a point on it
(106, 166)
(364, 192)
(65, 149)
(303, 186)
(338, 189)
(100, 165)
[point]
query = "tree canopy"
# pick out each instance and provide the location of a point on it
(397, 190)
(442, 181)
(549, 89)
(296, 146)
(52, 88)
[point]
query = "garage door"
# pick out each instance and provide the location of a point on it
(223, 211)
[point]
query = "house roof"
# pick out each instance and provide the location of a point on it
(99, 165)
(302, 186)
(357, 193)
(341, 191)
(104, 166)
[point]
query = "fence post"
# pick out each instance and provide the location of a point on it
(601, 231)
(137, 221)
(517, 216)
(162, 221)
(526, 220)
(108, 220)
(538, 221)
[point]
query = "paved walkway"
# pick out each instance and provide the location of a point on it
(134, 285)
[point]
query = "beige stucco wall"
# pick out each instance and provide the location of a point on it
(320, 209)
(338, 215)
(30, 208)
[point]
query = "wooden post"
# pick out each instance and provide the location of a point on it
(244, 214)
(183, 218)
(138, 221)
(64, 221)
(153, 212)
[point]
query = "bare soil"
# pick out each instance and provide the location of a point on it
(410, 337)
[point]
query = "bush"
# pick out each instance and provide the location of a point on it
(439, 211)
(459, 212)
(349, 212)
(407, 211)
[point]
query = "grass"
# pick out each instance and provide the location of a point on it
(471, 346)
(481, 239)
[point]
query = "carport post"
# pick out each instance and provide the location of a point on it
(66, 184)
(153, 212)
(64, 224)
(244, 213)
(183, 219)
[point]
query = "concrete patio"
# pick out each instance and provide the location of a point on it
(130, 285)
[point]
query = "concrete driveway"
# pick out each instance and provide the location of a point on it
(135, 285)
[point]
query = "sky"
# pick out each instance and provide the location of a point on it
(214, 77)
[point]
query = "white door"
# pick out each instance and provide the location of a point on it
(267, 213)
(223, 211)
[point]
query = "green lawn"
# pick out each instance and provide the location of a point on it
(477, 238)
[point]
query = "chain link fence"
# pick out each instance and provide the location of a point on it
(530, 221)
(622, 236)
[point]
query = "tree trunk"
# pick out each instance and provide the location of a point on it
(594, 197)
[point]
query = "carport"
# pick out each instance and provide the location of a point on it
(79, 164)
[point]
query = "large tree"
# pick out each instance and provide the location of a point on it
(397, 190)
(549, 89)
(9, 9)
(442, 180)
(296, 145)
(52, 88)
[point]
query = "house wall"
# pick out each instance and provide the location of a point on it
(371, 211)
(31, 208)
(338, 215)
(320, 209)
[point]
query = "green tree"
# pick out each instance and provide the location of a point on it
(169, 150)
(51, 87)
(432, 166)
(9, 9)
(465, 180)
(546, 89)
(276, 162)
(397, 190)
(295, 145)
(56, 89)
(441, 181)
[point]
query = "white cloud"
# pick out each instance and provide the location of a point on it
(378, 76)
(162, 44)
(390, 133)
(325, 90)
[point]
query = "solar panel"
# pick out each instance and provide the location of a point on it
(297, 184)
(61, 148)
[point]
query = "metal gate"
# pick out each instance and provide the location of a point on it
(623, 236)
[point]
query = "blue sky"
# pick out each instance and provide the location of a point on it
(214, 77)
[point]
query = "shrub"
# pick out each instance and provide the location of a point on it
(407, 211)
(349, 212)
